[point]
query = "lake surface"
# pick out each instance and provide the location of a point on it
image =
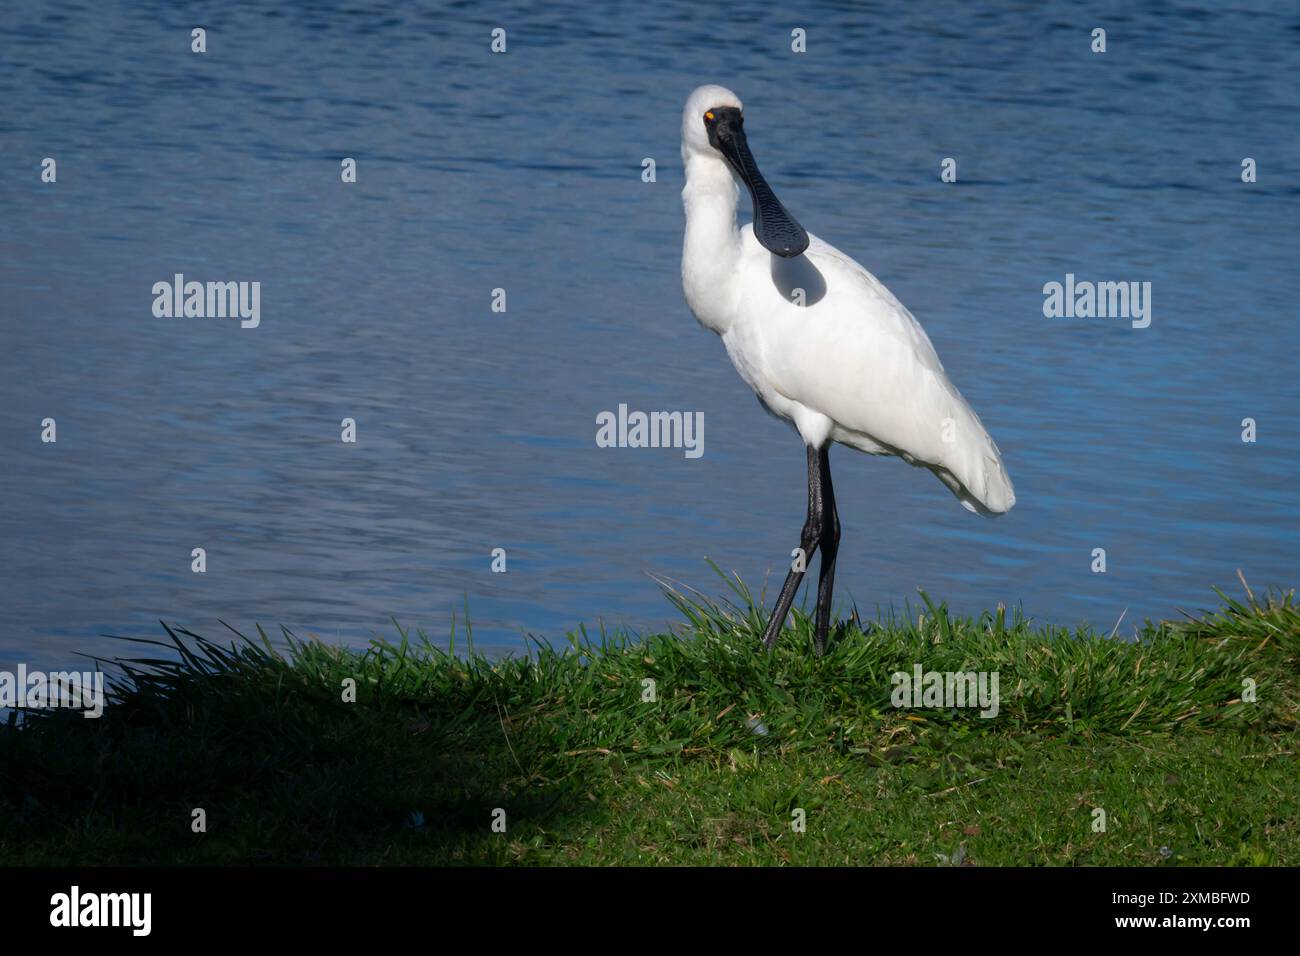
(522, 171)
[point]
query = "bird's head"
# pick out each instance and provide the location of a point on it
(695, 128)
(713, 127)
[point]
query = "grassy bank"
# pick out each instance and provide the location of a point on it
(714, 769)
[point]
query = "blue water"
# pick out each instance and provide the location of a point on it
(522, 171)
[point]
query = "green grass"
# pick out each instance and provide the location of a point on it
(736, 744)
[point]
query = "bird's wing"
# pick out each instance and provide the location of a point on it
(858, 356)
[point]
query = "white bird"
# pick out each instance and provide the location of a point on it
(820, 340)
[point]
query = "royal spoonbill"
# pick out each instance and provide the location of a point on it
(820, 340)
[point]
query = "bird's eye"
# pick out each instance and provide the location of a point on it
(709, 117)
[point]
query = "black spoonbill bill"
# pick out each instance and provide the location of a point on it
(820, 340)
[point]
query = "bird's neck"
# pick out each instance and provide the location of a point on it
(711, 251)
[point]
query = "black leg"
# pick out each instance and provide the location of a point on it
(830, 545)
(809, 538)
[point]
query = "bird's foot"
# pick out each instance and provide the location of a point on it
(822, 636)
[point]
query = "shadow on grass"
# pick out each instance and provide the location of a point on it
(320, 756)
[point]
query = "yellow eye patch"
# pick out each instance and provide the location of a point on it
(709, 116)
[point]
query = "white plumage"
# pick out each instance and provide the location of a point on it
(846, 362)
